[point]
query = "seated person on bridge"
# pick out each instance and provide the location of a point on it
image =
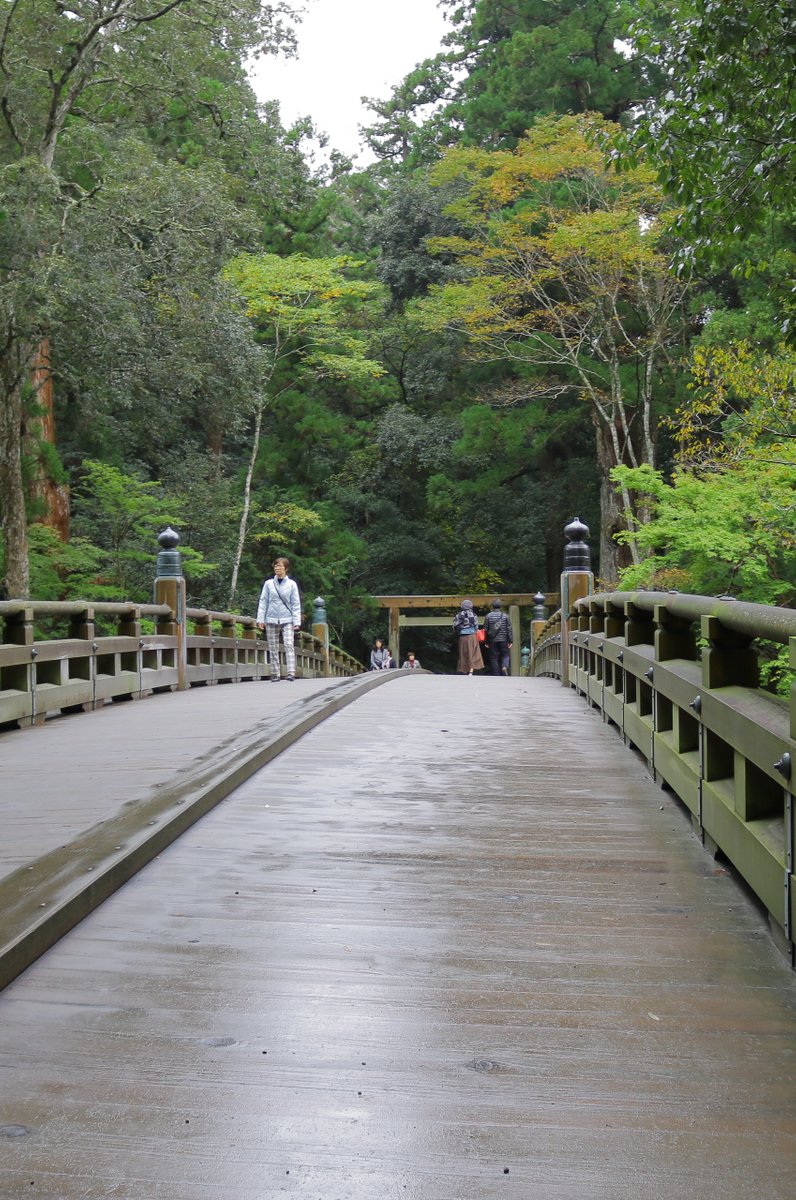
(379, 656)
(411, 663)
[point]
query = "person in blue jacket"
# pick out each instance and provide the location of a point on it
(279, 614)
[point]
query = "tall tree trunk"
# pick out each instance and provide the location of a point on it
(247, 492)
(612, 556)
(53, 497)
(14, 369)
(215, 438)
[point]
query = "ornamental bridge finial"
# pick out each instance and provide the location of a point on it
(577, 556)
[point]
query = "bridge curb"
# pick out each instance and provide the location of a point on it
(41, 902)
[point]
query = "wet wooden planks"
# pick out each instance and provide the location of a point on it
(61, 778)
(453, 944)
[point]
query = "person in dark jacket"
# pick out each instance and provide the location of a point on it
(499, 639)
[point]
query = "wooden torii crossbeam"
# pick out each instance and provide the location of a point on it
(511, 601)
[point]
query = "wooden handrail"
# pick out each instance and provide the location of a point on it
(677, 676)
(41, 674)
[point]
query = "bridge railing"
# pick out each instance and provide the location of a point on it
(75, 655)
(678, 676)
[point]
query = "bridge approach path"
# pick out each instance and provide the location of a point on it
(452, 944)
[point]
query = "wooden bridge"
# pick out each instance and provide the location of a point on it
(432, 937)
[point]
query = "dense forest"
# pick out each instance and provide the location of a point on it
(564, 287)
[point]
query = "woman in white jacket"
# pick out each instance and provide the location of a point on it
(279, 614)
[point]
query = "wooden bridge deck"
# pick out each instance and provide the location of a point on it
(453, 944)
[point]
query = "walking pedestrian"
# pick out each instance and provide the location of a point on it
(499, 639)
(465, 624)
(279, 614)
(411, 663)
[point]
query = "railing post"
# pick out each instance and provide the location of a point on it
(82, 628)
(203, 667)
(729, 658)
(577, 582)
(249, 635)
(19, 628)
(538, 618)
(228, 660)
(320, 630)
(170, 589)
(394, 633)
(786, 767)
(516, 637)
(18, 631)
(674, 636)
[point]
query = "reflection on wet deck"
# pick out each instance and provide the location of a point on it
(454, 944)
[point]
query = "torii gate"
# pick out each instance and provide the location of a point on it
(512, 602)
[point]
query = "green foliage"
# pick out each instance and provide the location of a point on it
(283, 524)
(724, 524)
(311, 310)
(325, 554)
(30, 216)
(145, 337)
(122, 516)
(411, 213)
(776, 674)
(722, 135)
(559, 276)
(728, 532)
(204, 486)
(505, 65)
(133, 156)
(533, 57)
(313, 318)
(209, 293)
(415, 121)
(61, 570)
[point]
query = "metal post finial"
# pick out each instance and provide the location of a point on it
(577, 556)
(169, 561)
(319, 611)
(170, 590)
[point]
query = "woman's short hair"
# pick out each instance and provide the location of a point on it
(284, 561)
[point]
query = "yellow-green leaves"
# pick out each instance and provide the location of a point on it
(742, 403)
(562, 269)
(550, 231)
(310, 311)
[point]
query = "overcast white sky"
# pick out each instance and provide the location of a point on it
(348, 49)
